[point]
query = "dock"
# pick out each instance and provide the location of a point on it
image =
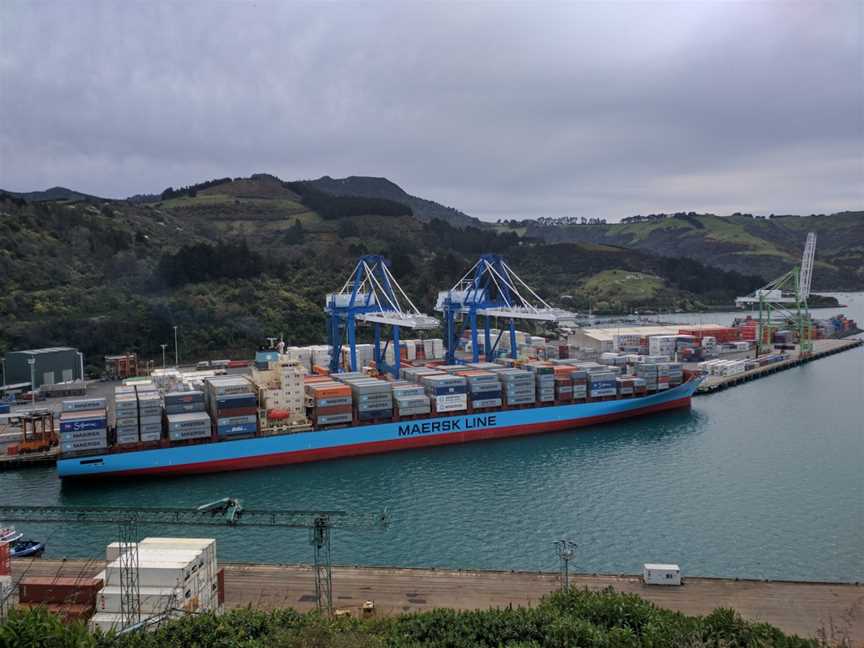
(821, 349)
(28, 460)
(801, 608)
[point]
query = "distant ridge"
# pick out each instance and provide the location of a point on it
(52, 194)
(371, 187)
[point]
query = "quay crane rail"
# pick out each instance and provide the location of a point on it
(227, 511)
(371, 294)
(787, 296)
(492, 289)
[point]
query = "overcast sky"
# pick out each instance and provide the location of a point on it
(503, 110)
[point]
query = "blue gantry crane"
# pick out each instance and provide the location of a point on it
(491, 289)
(371, 294)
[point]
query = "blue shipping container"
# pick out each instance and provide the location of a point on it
(83, 424)
(248, 428)
(236, 400)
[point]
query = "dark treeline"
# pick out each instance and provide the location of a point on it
(469, 240)
(192, 190)
(204, 262)
(331, 207)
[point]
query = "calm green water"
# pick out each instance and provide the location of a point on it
(760, 481)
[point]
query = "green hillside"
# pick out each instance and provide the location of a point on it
(236, 261)
(764, 246)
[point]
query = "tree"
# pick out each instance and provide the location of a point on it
(295, 235)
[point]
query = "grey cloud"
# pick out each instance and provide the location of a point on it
(502, 110)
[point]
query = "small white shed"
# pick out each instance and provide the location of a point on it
(659, 574)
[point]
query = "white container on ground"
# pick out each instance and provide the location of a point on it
(661, 574)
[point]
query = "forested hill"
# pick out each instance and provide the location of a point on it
(764, 246)
(233, 262)
(384, 188)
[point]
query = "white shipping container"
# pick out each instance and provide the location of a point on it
(153, 599)
(661, 574)
(451, 402)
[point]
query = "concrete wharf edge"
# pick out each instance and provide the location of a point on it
(825, 348)
(802, 608)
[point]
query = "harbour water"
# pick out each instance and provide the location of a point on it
(760, 481)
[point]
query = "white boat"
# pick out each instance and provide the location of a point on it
(9, 534)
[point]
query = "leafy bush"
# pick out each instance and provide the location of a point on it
(577, 618)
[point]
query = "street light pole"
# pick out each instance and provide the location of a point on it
(164, 346)
(176, 352)
(32, 363)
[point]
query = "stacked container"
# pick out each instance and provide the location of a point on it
(544, 376)
(190, 425)
(83, 425)
(563, 383)
(579, 380)
(518, 386)
(373, 398)
(126, 415)
(674, 371)
(329, 401)
(184, 402)
(173, 573)
(484, 390)
(647, 371)
(233, 405)
(448, 393)
(149, 415)
(602, 384)
(626, 386)
(70, 598)
(662, 345)
(411, 400)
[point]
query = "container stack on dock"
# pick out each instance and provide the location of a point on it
(233, 405)
(83, 425)
(328, 401)
(411, 400)
(125, 415)
(447, 392)
(72, 599)
(174, 574)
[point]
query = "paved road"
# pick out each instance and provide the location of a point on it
(798, 608)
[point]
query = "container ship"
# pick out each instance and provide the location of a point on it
(279, 413)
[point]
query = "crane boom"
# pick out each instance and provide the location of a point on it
(229, 515)
(807, 266)
(227, 511)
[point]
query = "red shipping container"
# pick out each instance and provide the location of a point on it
(59, 590)
(5, 560)
(333, 409)
(236, 411)
(220, 582)
(68, 612)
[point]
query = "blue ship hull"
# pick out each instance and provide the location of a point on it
(281, 449)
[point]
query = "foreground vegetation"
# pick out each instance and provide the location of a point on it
(578, 618)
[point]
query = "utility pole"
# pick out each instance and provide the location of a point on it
(566, 550)
(32, 363)
(164, 346)
(176, 351)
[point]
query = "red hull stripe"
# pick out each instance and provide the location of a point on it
(402, 443)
